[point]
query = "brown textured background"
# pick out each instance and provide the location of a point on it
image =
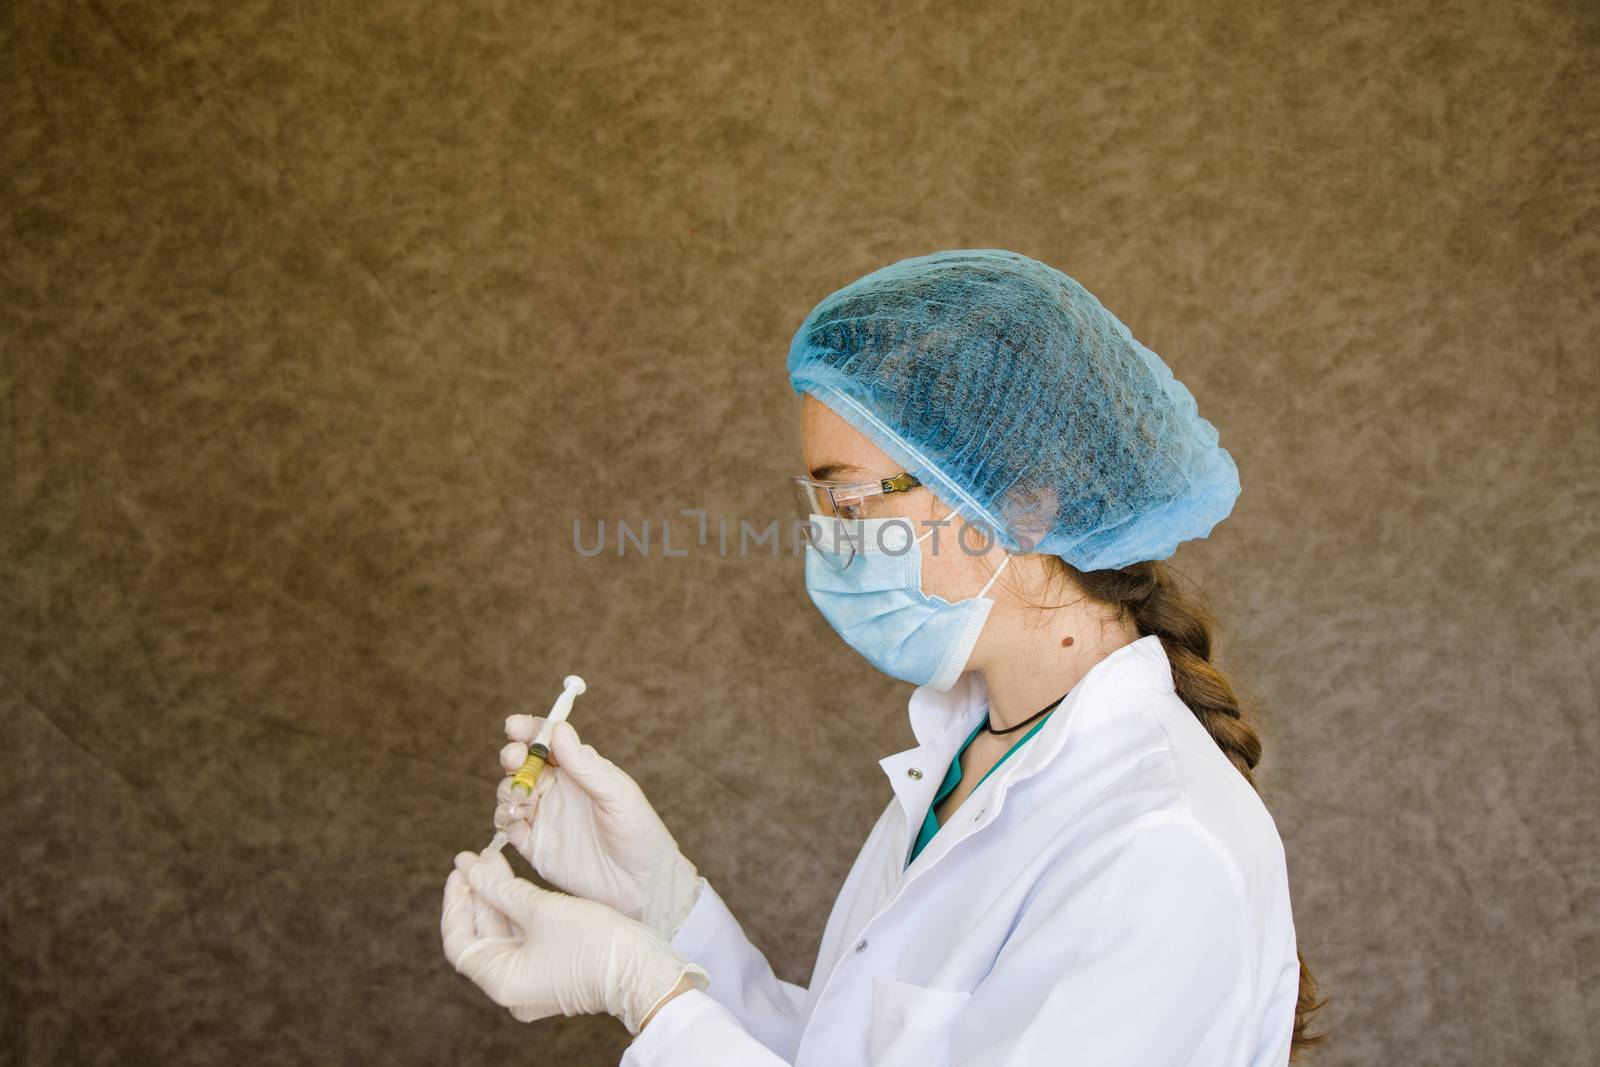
(322, 323)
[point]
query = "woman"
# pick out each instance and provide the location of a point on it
(1075, 867)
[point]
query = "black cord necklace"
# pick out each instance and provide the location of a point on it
(1024, 722)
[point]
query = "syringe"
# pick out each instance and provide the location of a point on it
(528, 774)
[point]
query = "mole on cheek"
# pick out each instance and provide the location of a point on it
(1065, 641)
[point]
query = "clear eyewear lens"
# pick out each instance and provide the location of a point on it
(833, 513)
(811, 499)
(836, 541)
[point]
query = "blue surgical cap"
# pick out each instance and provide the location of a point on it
(1007, 389)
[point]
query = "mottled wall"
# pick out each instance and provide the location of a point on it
(321, 323)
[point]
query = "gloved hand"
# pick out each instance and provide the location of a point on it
(589, 830)
(540, 953)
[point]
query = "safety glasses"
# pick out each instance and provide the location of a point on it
(848, 501)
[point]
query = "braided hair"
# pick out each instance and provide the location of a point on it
(1150, 594)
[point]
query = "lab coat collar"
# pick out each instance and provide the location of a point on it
(940, 721)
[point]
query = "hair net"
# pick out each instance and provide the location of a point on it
(1007, 389)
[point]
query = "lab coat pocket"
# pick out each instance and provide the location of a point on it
(911, 1024)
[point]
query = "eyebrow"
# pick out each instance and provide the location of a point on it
(828, 470)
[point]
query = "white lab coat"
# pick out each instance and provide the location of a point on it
(1115, 893)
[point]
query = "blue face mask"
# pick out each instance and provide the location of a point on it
(874, 600)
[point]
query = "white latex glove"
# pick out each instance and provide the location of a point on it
(540, 953)
(589, 830)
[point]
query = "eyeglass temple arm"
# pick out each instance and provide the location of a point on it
(899, 483)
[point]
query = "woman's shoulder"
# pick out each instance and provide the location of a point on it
(1166, 794)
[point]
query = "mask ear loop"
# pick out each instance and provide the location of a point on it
(997, 570)
(995, 575)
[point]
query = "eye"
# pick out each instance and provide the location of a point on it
(855, 507)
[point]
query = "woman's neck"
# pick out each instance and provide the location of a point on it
(1027, 667)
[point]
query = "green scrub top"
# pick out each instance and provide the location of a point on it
(930, 823)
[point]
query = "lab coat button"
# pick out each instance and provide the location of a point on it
(861, 944)
(978, 816)
(914, 772)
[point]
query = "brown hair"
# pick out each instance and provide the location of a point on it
(1150, 594)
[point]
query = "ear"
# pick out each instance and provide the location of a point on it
(1029, 513)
